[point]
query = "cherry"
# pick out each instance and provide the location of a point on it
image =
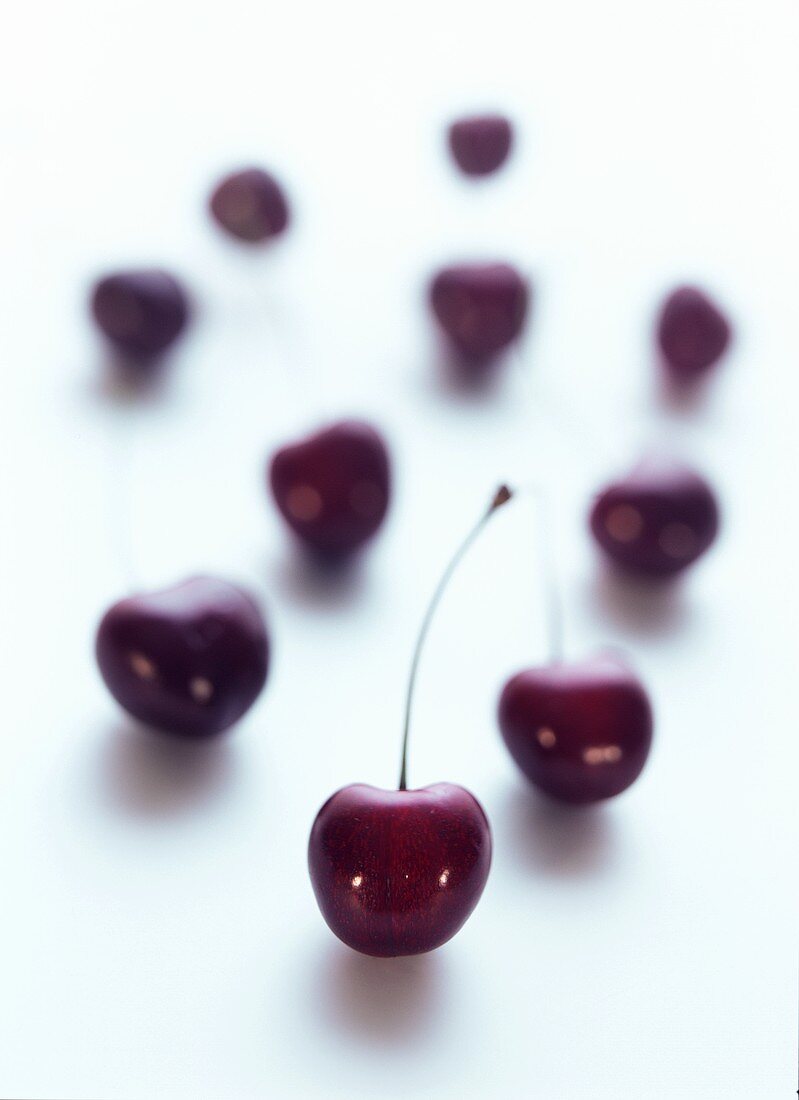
(399, 872)
(333, 488)
(580, 732)
(250, 205)
(692, 333)
(189, 659)
(481, 308)
(656, 521)
(140, 312)
(480, 144)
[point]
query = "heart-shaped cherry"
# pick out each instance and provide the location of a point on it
(399, 872)
(692, 333)
(333, 488)
(657, 520)
(189, 659)
(250, 205)
(481, 143)
(481, 308)
(580, 732)
(140, 312)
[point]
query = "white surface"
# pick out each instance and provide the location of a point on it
(159, 934)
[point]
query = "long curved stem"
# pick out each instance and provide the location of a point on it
(502, 496)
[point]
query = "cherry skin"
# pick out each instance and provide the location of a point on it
(190, 659)
(140, 313)
(481, 308)
(480, 144)
(333, 488)
(250, 205)
(580, 732)
(692, 333)
(399, 872)
(656, 521)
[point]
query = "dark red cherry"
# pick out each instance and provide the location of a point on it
(656, 521)
(250, 205)
(692, 333)
(333, 487)
(399, 872)
(481, 308)
(579, 732)
(190, 659)
(480, 144)
(140, 312)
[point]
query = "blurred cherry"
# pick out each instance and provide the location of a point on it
(692, 333)
(141, 313)
(190, 659)
(480, 144)
(657, 520)
(580, 732)
(481, 308)
(399, 872)
(333, 488)
(250, 205)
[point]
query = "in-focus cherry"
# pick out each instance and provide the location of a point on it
(657, 520)
(250, 205)
(190, 659)
(580, 732)
(481, 308)
(140, 313)
(333, 488)
(399, 872)
(692, 333)
(481, 143)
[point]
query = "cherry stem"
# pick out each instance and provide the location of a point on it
(502, 496)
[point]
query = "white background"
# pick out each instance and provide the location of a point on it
(159, 937)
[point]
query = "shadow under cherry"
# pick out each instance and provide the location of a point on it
(638, 606)
(319, 584)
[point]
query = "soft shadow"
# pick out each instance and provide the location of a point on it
(317, 583)
(148, 774)
(125, 383)
(465, 380)
(639, 606)
(382, 1002)
(686, 398)
(557, 839)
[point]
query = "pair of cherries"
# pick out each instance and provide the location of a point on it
(394, 872)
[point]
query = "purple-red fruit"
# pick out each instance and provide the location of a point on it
(189, 659)
(481, 308)
(333, 488)
(399, 872)
(140, 312)
(692, 333)
(656, 521)
(580, 732)
(480, 144)
(250, 205)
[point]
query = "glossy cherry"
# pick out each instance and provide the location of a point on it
(480, 144)
(250, 205)
(692, 333)
(399, 872)
(333, 488)
(657, 520)
(141, 313)
(190, 659)
(580, 732)
(481, 308)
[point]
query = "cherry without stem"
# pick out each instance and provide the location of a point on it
(141, 313)
(250, 205)
(333, 488)
(481, 309)
(399, 872)
(657, 520)
(692, 333)
(480, 144)
(189, 660)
